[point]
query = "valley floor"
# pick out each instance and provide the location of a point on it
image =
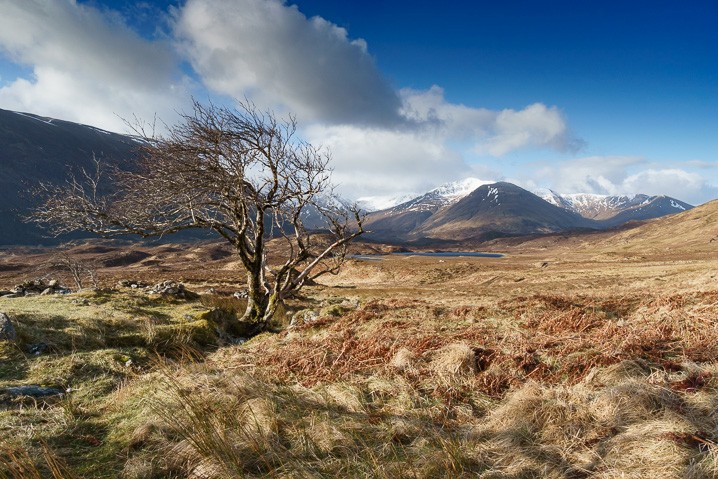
(559, 360)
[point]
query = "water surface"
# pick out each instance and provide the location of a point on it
(440, 254)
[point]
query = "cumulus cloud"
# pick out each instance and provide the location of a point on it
(370, 161)
(87, 66)
(622, 175)
(671, 181)
(274, 54)
(596, 174)
(383, 140)
(494, 133)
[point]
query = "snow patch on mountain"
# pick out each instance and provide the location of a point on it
(35, 117)
(378, 203)
(677, 206)
(456, 190)
(445, 194)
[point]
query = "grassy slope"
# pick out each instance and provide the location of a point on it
(547, 363)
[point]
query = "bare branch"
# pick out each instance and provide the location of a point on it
(241, 173)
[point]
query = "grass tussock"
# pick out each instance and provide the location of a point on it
(17, 463)
(624, 422)
(549, 339)
(531, 385)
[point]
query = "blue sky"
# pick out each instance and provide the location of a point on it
(605, 97)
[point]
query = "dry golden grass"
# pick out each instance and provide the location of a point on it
(550, 362)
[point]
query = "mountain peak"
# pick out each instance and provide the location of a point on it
(607, 207)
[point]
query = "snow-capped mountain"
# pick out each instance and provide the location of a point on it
(442, 195)
(456, 190)
(606, 207)
(474, 208)
(446, 194)
(501, 209)
(378, 203)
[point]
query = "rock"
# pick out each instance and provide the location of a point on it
(38, 286)
(7, 330)
(38, 348)
(33, 390)
(241, 294)
(303, 316)
(171, 288)
(131, 283)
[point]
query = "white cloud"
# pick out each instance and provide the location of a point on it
(621, 175)
(274, 54)
(370, 161)
(279, 58)
(596, 174)
(87, 66)
(672, 182)
(494, 133)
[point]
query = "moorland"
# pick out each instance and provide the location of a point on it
(572, 356)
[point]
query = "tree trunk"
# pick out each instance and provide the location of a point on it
(274, 302)
(257, 300)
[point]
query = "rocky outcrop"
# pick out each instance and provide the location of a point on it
(131, 283)
(172, 289)
(167, 288)
(34, 287)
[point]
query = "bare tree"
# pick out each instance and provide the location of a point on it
(79, 270)
(241, 173)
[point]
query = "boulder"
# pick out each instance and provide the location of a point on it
(173, 289)
(7, 330)
(303, 316)
(131, 283)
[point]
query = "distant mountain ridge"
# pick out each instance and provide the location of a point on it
(37, 149)
(452, 212)
(605, 207)
(500, 209)
(442, 195)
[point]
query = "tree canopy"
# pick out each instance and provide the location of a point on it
(239, 172)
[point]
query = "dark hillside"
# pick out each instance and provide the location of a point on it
(34, 149)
